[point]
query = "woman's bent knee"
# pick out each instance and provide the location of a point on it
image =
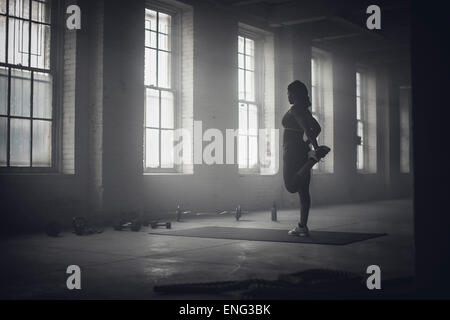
(291, 188)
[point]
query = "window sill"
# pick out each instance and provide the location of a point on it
(167, 174)
(55, 174)
(366, 172)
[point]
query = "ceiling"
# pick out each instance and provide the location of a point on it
(337, 23)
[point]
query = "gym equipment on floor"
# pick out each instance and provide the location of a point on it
(128, 220)
(81, 227)
(179, 212)
(237, 213)
(156, 224)
(274, 211)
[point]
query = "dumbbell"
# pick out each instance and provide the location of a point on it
(179, 213)
(81, 226)
(157, 224)
(134, 225)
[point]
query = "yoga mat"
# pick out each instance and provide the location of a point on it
(271, 235)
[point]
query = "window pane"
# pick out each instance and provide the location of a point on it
(249, 47)
(242, 151)
(2, 38)
(358, 84)
(20, 93)
(253, 119)
(3, 142)
(313, 72)
(315, 116)
(152, 108)
(19, 8)
(163, 69)
(40, 11)
(164, 42)
(42, 95)
(241, 61)
(2, 6)
(249, 85)
(360, 131)
(42, 143)
(20, 143)
(314, 98)
(150, 39)
(241, 81)
(167, 110)
(241, 44)
(150, 19)
(151, 148)
(316, 166)
(40, 46)
(253, 152)
(243, 122)
(166, 148)
(360, 158)
(249, 63)
(164, 23)
(3, 91)
(358, 108)
(150, 67)
(18, 42)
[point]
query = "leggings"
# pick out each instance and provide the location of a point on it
(294, 157)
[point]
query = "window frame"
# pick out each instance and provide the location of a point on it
(363, 96)
(175, 82)
(258, 40)
(55, 67)
(319, 114)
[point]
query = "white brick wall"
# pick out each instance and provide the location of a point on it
(68, 107)
(372, 121)
(269, 102)
(187, 79)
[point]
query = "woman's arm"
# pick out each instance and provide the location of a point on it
(315, 126)
(301, 115)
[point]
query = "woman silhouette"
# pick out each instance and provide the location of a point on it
(300, 131)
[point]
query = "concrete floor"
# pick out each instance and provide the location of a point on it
(126, 265)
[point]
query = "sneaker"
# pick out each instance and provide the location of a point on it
(299, 232)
